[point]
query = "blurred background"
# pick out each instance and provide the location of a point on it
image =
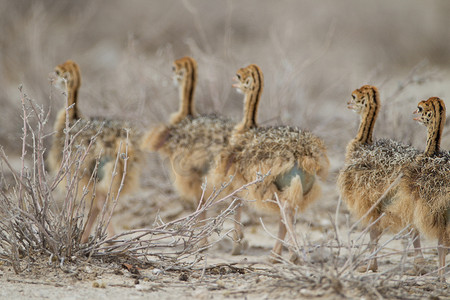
(313, 55)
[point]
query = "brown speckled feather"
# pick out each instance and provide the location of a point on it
(110, 141)
(371, 167)
(189, 141)
(278, 149)
(426, 182)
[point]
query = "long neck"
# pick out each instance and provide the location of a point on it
(368, 119)
(72, 99)
(251, 102)
(250, 112)
(186, 94)
(435, 129)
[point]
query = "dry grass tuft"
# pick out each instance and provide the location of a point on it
(332, 267)
(312, 54)
(33, 224)
(32, 220)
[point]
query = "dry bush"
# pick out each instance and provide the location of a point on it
(313, 54)
(175, 241)
(333, 266)
(32, 221)
(33, 224)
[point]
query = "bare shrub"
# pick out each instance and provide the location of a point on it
(175, 240)
(32, 223)
(334, 266)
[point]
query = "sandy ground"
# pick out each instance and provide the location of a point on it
(225, 276)
(218, 275)
(313, 54)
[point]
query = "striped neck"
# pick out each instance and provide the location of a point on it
(72, 99)
(436, 127)
(186, 92)
(251, 100)
(70, 72)
(73, 84)
(369, 117)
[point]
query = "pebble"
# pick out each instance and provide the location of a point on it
(220, 284)
(321, 254)
(96, 284)
(325, 222)
(157, 271)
